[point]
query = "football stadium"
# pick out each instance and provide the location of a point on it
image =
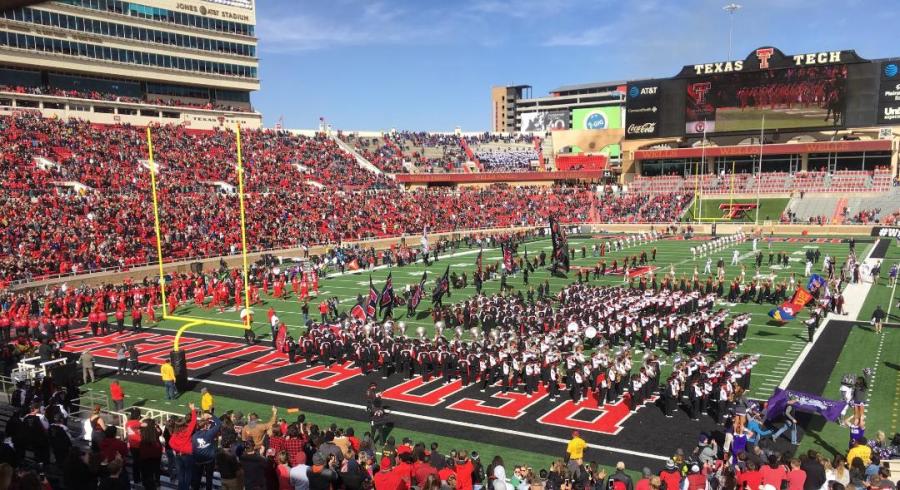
(685, 282)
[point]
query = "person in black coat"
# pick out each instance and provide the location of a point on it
(77, 472)
(815, 472)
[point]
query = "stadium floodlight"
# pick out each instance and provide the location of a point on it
(731, 8)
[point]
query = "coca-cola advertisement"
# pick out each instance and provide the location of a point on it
(642, 111)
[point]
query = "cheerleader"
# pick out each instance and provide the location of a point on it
(846, 395)
(860, 387)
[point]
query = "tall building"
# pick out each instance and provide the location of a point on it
(188, 62)
(503, 106)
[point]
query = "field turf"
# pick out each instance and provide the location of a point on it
(735, 119)
(778, 346)
(769, 209)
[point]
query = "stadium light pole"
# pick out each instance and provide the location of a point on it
(731, 8)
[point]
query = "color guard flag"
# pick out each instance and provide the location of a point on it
(417, 294)
(372, 302)
(387, 299)
(815, 282)
(782, 313)
(359, 313)
(442, 286)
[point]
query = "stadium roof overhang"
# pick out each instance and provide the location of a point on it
(775, 149)
(488, 177)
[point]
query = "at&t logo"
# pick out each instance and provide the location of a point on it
(890, 70)
(634, 92)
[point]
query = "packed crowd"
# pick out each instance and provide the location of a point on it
(390, 151)
(49, 230)
(97, 95)
(509, 160)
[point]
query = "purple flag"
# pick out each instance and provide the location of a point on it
(803, 402)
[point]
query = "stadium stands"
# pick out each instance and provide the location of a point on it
(842, 181)
(77, 196)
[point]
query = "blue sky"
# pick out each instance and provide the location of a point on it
(429, 64)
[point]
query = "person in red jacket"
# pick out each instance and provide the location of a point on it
(464, 469)
(136, 316)
(180, 442)
(670, 475)
(386, 479)
(120, 319)
(750, 478)
(117, 395)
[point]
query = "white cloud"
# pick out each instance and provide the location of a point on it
(350, 25)
(596, 36)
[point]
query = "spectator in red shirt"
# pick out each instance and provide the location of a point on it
(111, 446)
(117, 395)
(773, 473)
(751, 477)
(423, 469)
(796, 478)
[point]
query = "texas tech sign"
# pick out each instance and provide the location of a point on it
(767, 58)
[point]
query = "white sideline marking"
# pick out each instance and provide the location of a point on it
(411, 415)
(806, 350)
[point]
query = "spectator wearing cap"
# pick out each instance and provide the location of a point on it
(695, 480)
(385, 477)
(298, 476)
(670, 475)
(620, 480)
(203, 449)
(706, 450)
(575, 448)
(861, 450)
(323, 472)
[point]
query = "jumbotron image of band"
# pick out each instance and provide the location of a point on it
(683, 282)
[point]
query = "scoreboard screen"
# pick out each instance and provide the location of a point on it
(797, 97)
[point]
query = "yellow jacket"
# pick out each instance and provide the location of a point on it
(206, 402)
(862, 452)
(167, 372)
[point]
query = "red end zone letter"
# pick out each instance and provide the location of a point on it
(402, 392)
(321, 377)
(608, 420)
(515, 406)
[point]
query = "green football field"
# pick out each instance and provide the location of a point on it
(777, 346)
(736, 119)
(769, 209)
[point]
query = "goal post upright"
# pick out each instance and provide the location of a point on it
(187, 321)
(240, 176)
(156, 227)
